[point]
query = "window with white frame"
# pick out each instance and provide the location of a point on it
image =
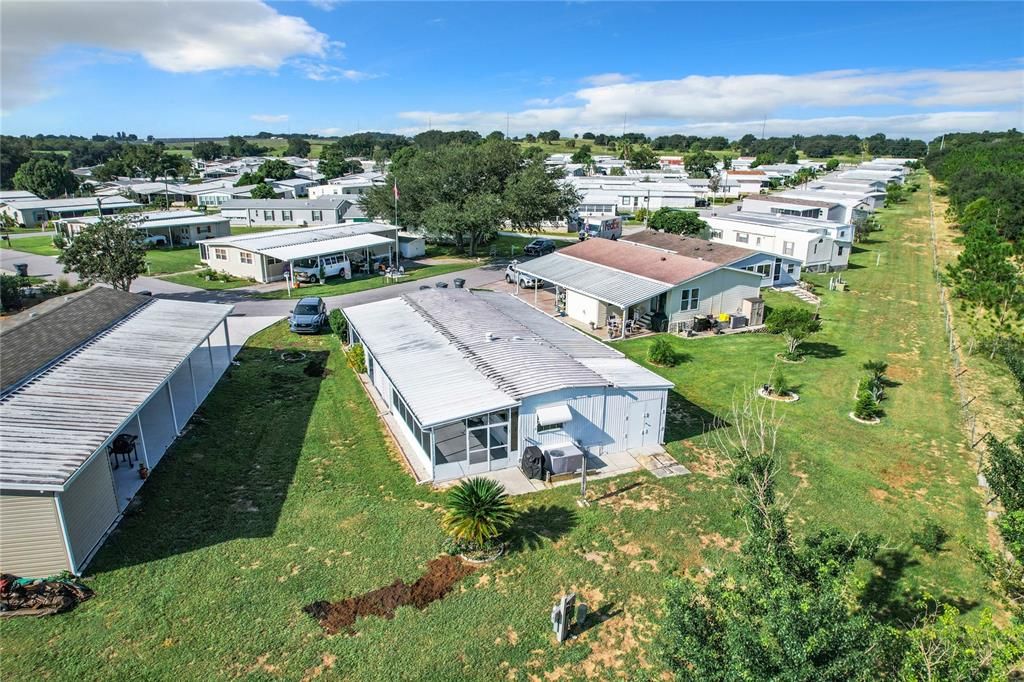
(245, 257)
(625, 201)
(840, 251)
(318, 216)
(787, 248)
(547, 428)
(764, 270)
(790, 269)
(286, 215)
(716, 234)
(268, 215)
(689, 299)
(220, 254)
(743, 237)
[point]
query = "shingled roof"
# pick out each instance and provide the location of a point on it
(691, 247)
(42, 335)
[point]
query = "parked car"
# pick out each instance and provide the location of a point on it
(309, 315)
(155, 240)
(512, 275)
(539, 247)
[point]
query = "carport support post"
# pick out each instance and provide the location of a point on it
(622, 328)
(209, 350)
(227, 340)
(142, 439)
(174, 414)
(535, 292)
(192, 376)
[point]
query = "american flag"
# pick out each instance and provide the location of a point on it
(395, 189)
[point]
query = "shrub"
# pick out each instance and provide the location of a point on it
(930, 537)
(61, 287)
(780, 386)
(795, 324)
(877, 368)
(339, 324)
(1011, 526)
(356, 358)
(10, 291)
(477, 511)
(866, 407)
(662, 353)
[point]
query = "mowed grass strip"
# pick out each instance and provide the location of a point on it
(285, 491)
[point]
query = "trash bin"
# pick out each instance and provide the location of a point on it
(441, 285)
(459, 282)
(21, 269)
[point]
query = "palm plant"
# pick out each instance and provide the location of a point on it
(477, 511)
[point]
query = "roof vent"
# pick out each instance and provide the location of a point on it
(517, 338)
(490, 336)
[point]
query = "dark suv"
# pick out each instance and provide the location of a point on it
(309, 315)
(539, 247)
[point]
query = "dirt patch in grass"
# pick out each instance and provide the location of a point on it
(441, 576)
(719, 541)
(701, 460)
(638, 495)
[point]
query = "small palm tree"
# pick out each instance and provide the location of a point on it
(478, 511)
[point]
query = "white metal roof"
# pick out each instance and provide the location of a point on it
(265, 241)
(325, 246)
(502, 348)
(55, 422)
(625, 373)
(597, 281)
(434, 378)
(70, 203)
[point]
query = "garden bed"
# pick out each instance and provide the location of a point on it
(790, 397)
(443, 573)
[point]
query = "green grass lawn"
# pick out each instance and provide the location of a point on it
(243, 229)
(171, 260)
(194, 279)
(285, 491)
(40, 246)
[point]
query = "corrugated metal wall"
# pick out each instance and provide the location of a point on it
(600, 423)
(90, 506)
(31, 542)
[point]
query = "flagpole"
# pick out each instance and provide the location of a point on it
(398, 254)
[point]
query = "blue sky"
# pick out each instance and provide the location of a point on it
(214, 68)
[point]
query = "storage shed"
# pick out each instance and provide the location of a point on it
(474, 378)
(85, 372)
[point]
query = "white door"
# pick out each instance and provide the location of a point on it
(643, 426)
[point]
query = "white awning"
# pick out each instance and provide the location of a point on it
(323, 247)
(553, 414)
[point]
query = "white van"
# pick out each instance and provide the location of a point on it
(308, 269)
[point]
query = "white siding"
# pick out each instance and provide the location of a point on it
(31, 541)
(583, 308)
(600, 423)
(90, 507)
(721, 291)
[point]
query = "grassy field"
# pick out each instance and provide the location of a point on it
(338, 286)
(40, 246)
(285, 491)
(276, 147)
(171, 260)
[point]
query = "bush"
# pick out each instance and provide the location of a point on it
(477, 512)
(866, 407)
(339, 324)
(662, 353)
(61, 287)
(930, 537)
(780, 386)
(10, 291)
(356, 358)
(1011, 526)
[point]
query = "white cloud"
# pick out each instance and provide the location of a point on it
(606, 79)
(318, 71)
(171, 36)
(835, 102)
(325, 5)
(270, 118)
